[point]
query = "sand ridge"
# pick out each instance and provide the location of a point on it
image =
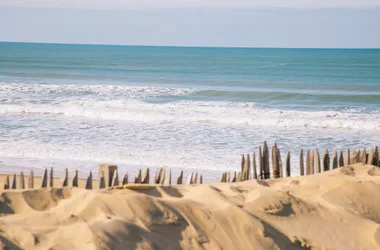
(338, 209)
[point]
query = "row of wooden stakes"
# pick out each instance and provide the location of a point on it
(108, 178)
(313, 163)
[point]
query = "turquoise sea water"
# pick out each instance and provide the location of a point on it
(181, 107)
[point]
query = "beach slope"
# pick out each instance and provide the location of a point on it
(338, 209)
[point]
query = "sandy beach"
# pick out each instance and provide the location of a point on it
(338, 209)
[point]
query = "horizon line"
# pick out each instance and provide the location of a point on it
(188, 46)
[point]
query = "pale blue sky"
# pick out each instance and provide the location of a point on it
(293, 23)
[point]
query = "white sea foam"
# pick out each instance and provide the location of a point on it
(247, 114)
(97, 123)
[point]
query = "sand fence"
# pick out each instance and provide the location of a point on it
(267, 166)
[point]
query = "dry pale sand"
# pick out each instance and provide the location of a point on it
(338, 209)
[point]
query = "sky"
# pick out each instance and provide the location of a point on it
(220, 23)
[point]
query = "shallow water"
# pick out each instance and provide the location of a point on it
(191, 108)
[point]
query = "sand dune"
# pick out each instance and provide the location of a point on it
(339, 209)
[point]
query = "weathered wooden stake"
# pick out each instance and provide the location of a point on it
(266, 161)
(238, 177)
(102, 182)
(138, 176)
(195, 180)
(347, 158)
(275, 162)
(89, 181)
(7, 183)
(201, 179)
(261, 165)
(65, 180)
(326, 161)
(51, 178)
(31, 180)
(335, 160)
(234, 177)
(280, 166)
(376, 157)
(302, 167)
(288, 164)
(363, 156)
(353, 156)
(308, 171)
(317, 161)
(254, 166)
(189, 179)
(44, 179)
(145, 180)
(311, 161)
(242, 168)
(22, 181)
(180, 178)
(14, 182)
(247, 168)
(341, 161)
(168, 178)
(125, 179)
(162, 176)
(115, 179)
(75, 178)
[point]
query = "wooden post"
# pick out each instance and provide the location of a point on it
(261, 165)
(189, 179)
(288, 164)
(317, 161)
(14, 182)
(335, 160)
(200, 179)
(311, 162)
(75, 178)
(138, 176)
(347, 158)
(180, 178)
(145, 180)
(102, 182)
(162, 176)
(228, 177)
(363, 156)
(7, 183)
(115, 179)
(275, 162)
(108, 172)
(266, 161)
(31, 180)
(254, 166)
(376, 157)
(234, 177)
(125, 179)
(238, 177)
(302, 167)
(168, 178)
(89, 181)
(308, 162)
(195, 180)
(44, 179)
(353, 156)
(242, 168)
(326, 161)
(247, 168)
(65, 180)
(22, 181)
(358, 157)
(51, 178)
(341, 161)
(281, 171)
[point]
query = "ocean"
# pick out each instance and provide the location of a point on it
(197, 109)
